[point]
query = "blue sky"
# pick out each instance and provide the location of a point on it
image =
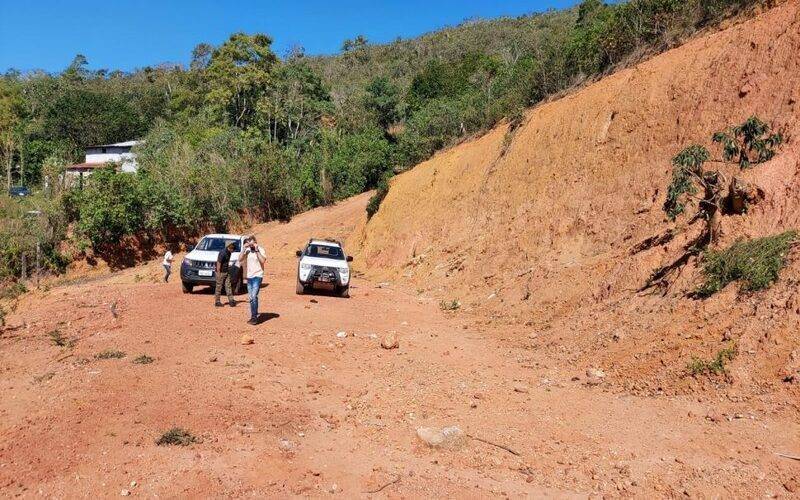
(126, 34)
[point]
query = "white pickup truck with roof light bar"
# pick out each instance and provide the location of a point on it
(199, 267)
(323, 265)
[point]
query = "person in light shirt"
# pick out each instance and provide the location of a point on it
(252, 260)
(167, 263)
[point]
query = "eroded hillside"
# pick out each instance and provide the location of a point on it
(538, 226)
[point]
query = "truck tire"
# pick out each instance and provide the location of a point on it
(186, 287)
(344, 292)
(299, 288)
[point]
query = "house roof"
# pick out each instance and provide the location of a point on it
(126, 144)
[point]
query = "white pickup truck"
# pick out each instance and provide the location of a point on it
(199, 267)
(323, 265)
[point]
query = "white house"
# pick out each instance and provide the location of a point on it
(99, 156)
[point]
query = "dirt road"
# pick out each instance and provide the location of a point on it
(304, 412)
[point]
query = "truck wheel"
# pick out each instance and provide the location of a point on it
(237, 288)
(345, 292)
(299, 289)
(186, 287)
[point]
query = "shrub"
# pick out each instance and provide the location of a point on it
(110, 354)
(144, 359)
(450, 305)
(756, 263)
(58, 339)
(176, 437)
(698, 366)
(110, 206)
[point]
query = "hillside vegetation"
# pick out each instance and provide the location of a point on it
(244, 133)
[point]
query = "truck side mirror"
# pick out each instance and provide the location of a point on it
(349, 258)
(299, 253)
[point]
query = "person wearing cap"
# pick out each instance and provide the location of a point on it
(223, 275)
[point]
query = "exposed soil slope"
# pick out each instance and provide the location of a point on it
(540, 230)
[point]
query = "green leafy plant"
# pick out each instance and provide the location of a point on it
(716, 366)
(176, 437)
(749, 143)
(110, 354)
(756, 263)
(687, 169)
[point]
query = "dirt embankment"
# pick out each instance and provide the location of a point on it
(539, 231)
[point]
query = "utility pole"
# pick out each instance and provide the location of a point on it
(38, 261)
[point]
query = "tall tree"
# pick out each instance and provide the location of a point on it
(239, 74)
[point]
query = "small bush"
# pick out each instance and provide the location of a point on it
(450, 305)
(12, 291)
(44, 377)
(176, 437)
(110, 354)
(756, 263)
(144, 359)
(716, 366)
(58, 339)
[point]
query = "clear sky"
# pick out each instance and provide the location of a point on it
(126, 34)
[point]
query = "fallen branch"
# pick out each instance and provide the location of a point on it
(502, 447)
(790, 457)
(395, 480)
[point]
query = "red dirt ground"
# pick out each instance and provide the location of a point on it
(535, 241)
(73, 425)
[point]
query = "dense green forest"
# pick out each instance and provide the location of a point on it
(245, 133)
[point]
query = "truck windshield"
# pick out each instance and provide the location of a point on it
(217, 244)
(325, 252)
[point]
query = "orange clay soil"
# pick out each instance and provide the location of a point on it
(535, 242)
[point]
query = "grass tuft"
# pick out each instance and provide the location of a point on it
(58, 339)
(176, 437)
(450, 305)
(144, 359)
(716, 366)
(110, 354)
(756, 263)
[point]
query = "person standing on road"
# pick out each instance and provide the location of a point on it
(252, 259)
(167, 263)
(223, 275)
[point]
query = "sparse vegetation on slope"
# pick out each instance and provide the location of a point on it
(755, 263)
(716, 366)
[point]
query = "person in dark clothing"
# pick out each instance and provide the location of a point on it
(223, 275)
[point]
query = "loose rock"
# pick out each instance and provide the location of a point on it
(595, 376)
(446, 437)
(247, 340)
(521, 388)
(390, 341)
(342, 335)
